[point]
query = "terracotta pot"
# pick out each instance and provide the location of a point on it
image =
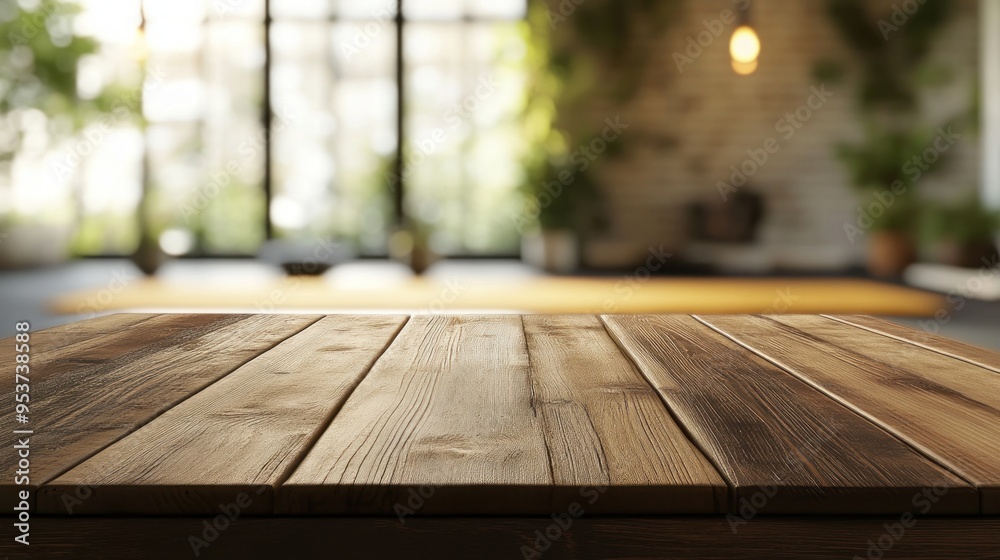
(889, 253)
(966, 255)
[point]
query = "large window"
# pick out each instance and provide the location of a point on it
(335, 74)
(334, 97)
(204, 135)
(230, 158)
(464, 84)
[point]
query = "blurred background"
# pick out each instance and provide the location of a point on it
(698, 156)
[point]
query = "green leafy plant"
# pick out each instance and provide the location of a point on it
(893, 58)
(39, 61)
(966, 223)
(40, 56)
(893, 67)
(883, 162)
(596, 53)
(564, 196)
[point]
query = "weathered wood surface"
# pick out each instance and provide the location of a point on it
(947, 408)
(241, 435)
(116, 382)
(502, 415)
(508, 415)
(984, 357)
(778, 441)
(449, 406)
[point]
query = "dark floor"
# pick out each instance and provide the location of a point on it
(24, 295)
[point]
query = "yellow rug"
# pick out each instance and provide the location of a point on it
(526, 295)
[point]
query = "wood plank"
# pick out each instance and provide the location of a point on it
(448, 412)
(94, 344)
(782, 444)
(64, 341)
(243, 434)
(588, 538)
(85, 402)
(60, 336)
(946, 408)
(983, 357)
(605, 426)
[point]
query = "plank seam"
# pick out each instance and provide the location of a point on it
(849, 406)
(66, 326)
(171, 406)
(294, 464)
(534, 409)
(912, 342)
(732, 497)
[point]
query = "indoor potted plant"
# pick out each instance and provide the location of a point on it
(962, 234)
(889, 206)
(556, 207)
(892, 241)
(891, 75)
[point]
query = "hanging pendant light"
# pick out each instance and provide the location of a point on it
(140, 45)
(744, 47)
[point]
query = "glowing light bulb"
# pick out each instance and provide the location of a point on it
(140, 47)
(744, 47)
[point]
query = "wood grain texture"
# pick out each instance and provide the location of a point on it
(58, 338)
(507, 415)
(588, 538)
(983, 357)
(242, 434)
(784, 446)
(84, 402)
(444, 422)
(605, 426)
(66, 341)
(947, 408)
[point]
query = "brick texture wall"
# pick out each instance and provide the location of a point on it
(689, 125)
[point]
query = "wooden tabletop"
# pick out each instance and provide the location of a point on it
(141, 414)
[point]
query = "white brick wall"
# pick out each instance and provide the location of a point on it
(690, 126)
